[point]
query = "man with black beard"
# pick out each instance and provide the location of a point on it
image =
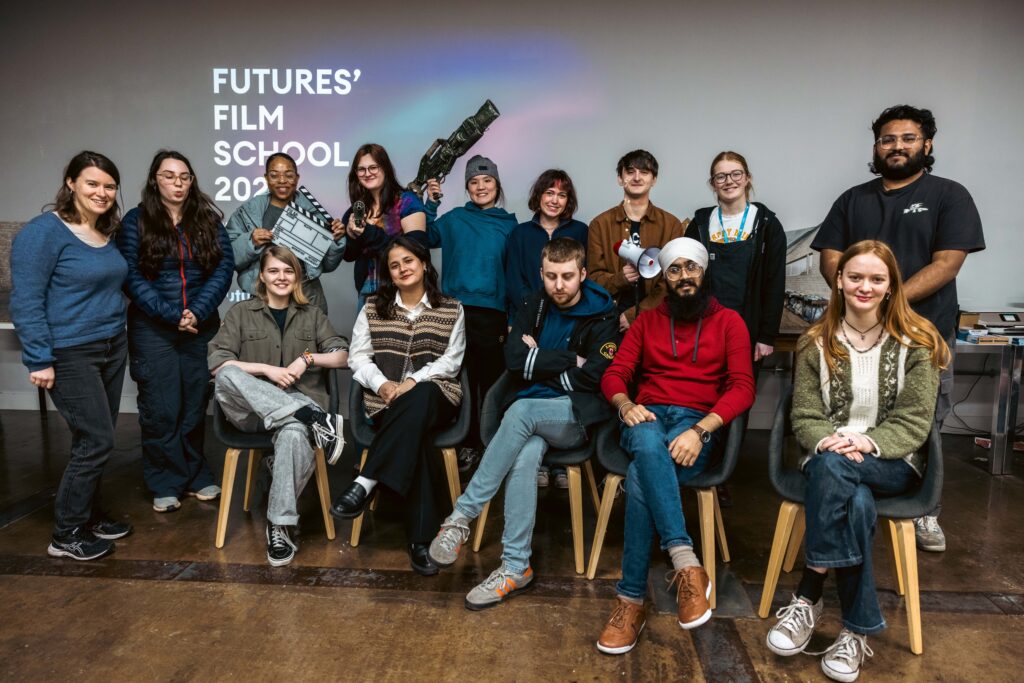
(689, 360)
(930, 223)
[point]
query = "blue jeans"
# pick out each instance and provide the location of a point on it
(527, 429)
(653, 502)
(840, 512)
(174, 388)
(87, 394)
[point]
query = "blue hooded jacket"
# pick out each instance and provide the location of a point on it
(473, 245)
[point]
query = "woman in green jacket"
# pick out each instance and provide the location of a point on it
(867, 377)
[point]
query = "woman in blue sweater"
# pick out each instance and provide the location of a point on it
(69, 315)
(473, 241)
(179, 270)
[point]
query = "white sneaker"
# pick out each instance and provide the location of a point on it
(842, 661)
(929, 534)
(794, 628)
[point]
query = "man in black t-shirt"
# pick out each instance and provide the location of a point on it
(930, 223)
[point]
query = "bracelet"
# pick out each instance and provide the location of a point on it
(308, 357)
(620, 409)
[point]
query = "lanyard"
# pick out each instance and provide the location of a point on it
(743, 223)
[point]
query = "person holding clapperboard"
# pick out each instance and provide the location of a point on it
(301, 223)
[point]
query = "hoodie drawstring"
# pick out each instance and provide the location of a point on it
(696, 339)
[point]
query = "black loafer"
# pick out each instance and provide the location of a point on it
(419, 559)
(350, 503)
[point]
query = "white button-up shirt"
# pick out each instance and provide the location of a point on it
(366, 372)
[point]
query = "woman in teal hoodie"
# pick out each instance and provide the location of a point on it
(473, 241)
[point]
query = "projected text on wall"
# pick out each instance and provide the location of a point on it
(268, 123)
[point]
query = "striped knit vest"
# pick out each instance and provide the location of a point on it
(401, 346)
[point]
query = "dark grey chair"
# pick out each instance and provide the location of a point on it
(899, 510)
(616, 461)
(572, 459)
(236, 441)
(446, 440)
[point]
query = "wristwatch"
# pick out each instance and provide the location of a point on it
(703, 434)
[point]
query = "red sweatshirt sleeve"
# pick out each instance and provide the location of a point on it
(739, 376)
(620, 373)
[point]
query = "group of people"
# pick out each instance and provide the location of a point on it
(584, 337)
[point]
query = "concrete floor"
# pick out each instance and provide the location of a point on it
(168, 606)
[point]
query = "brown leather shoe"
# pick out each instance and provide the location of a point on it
(693, 588)
(623, 628)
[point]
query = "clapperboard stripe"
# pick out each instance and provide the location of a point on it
(313, 200)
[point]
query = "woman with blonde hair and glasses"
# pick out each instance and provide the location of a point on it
(867, 378)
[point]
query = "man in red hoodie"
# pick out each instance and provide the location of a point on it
(689, 359)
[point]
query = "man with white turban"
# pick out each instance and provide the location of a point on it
(689, 359)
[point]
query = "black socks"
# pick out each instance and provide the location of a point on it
(305, 415)
(812, 584)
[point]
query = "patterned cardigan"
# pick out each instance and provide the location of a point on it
(908, 385)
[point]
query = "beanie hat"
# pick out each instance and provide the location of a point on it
(481, 165)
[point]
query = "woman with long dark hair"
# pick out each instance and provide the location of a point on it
(69, 315)
(407, 348)
(389, 210)
(179, 270)
(867, 378)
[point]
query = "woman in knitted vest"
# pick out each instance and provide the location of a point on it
(407, 348)
(867, 377)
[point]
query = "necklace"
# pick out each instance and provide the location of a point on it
(870, 348)
(862, 333)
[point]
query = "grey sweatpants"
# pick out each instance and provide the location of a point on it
(252, 404)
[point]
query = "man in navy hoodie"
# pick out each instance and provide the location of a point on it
(561, 341)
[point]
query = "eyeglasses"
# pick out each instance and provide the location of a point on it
(367, 170)
(287, 175)
(735, 176)
(889, 141)
(169, 177)
(675, 272)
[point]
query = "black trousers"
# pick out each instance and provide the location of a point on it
(87, 394)
(486, 330)
(402, 459)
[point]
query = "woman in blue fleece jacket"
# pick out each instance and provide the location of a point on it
(473, 242)
(179, 270)
(68, 311)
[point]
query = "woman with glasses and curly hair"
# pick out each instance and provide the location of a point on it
(179, 270)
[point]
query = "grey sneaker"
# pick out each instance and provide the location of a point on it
(211, 492)
(543, 477)
(793, 630)
(842, 661)
(561, 479)
(501, 584)
(166, 503)
(929, 534)
(445, 547)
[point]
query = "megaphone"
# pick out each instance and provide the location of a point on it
(644, 260)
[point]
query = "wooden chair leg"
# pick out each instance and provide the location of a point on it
(897, 561)
(706, 507)
(908, 563)
(481, 521)
(611, 485)
(723, 544)
(788, 513)
(594, 495)
(323, 487)
(796, 540)
(576, 514)
(357, 523)
(451, 466)
(250, 476)
(226, 487)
